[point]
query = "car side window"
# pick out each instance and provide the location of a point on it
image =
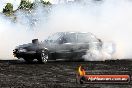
(86, 38)
(54, 38)
(62, 40)
(70, 38)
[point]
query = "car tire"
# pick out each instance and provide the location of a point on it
(43, 56)
(28, 60)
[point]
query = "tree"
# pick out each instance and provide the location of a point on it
(45, 3)
(8, 10)
(24, 4)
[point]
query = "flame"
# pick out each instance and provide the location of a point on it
(81, 71)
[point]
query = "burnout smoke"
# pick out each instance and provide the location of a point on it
(109, 20)
(104, 53)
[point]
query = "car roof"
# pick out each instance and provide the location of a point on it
(75, 32)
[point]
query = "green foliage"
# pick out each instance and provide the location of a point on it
(8, 10)
(45, 3)
(25, 5)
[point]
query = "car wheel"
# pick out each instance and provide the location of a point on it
(28, 60)
(43, 57)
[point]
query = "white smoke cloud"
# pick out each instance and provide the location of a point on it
(109, 20)
(102, 54)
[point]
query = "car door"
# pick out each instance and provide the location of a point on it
(82, 42)
(51, 43)
(82, 45)
(65, 46)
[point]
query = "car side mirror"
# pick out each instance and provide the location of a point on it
(46, 40)
(60, 41)
(50, 40)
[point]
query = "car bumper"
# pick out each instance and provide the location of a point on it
(30, 54)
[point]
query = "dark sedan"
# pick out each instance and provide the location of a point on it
(61, 45)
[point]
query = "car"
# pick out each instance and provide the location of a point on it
(61, 45)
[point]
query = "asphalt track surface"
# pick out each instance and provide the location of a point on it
(59, 74)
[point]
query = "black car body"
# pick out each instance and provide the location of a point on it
(61, 45)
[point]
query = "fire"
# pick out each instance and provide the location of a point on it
(81, 71)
